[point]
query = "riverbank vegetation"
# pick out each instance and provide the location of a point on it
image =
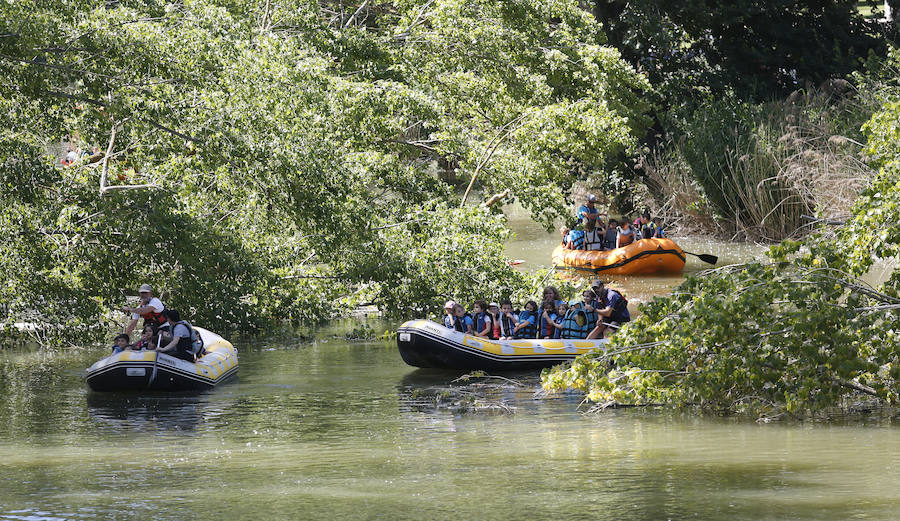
(793, 335)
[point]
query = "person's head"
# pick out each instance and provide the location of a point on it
(551, 293)
(493, 308)
(147, 332)
(645, 217)
(563, 230)
(145, 292)
(591, 199)
(657, 221)
(626, 225)
(612, 224)
(563, 307)
(172, 315)
(506, 306)
(589, 225)
(458, 310)
(479, 306)
(588, 295)
(122, 340)
(549, 306)
(531, 305)
(597, 286)
(448, 307)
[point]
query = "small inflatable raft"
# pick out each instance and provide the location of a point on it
(149, 370)
(423, 343)
(643, 257)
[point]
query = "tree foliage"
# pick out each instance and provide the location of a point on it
(280, 160)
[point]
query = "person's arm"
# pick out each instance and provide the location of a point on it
(487, 327)
(171, 345)
(130, 326)
(619, 239)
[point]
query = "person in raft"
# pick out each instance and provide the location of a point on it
(462, 321)
(611, 234)
(552, 294)
(151, 310)
(572, 239)
(593, 236)
(448, 314)
(588, 212)
(145, 342)
(612, 311)
(508, 320)
(181, 343)
(120, 343)
(528, 321)
(624, 235)
(484, 326)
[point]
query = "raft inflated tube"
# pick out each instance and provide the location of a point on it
(643, 257)
(152, 371)
(423, 343)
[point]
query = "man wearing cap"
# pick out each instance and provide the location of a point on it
(588, 212)
(448, 317)
(151, 310)
(612, 310)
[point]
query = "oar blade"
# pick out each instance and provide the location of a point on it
(705, 257)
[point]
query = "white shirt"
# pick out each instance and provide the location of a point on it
(155, 303)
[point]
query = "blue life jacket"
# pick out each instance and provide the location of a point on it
(546, 329)
(530, 330)
(479, 324)
(577, 238)
(572, 328)
(459, 323)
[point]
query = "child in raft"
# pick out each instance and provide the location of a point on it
(462, 322)
(508, 321)
(145, 341)
(527, 321)
(120, 343)
(548, 318)
(484, 326)
(625, 235)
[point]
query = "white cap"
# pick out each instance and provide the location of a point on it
(493, 305)
(591, 197)
(145, 288)
(449, 305)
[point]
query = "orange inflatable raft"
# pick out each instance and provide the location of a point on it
(643, 257)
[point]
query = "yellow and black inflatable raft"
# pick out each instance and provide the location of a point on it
(149, 370)
(643, 257)
(423, 343)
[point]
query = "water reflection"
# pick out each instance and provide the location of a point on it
(141, 413)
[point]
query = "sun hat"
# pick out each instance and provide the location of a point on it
(493, 305)
(145, 288)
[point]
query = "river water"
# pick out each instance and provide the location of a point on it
(339, 429)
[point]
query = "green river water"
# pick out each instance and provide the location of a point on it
(337, 429)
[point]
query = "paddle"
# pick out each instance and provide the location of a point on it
(705, 257)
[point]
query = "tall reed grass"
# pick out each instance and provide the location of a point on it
(752, 171)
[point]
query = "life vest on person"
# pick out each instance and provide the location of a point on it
(529, 331)
(193, 344)
(153, 318)
(546, 329)
(576, 324)
(459, 323)
(627, 238)
(480, 321)
(593, 240)
(590, 315)
(620, 310)
(576, 238)
(506, 325)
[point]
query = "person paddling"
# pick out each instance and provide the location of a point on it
(151, 310)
